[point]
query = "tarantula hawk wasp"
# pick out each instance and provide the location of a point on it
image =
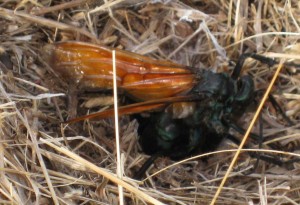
(214, 100)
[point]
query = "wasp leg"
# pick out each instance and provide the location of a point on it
(260, 142)
(240, 129)
(279, 110)
(253, 136)
(269, 61)
(257, 138)
(277, 107)
(141, 173)
(239, 65)
(266, 158)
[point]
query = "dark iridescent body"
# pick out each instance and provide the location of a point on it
(204, 128)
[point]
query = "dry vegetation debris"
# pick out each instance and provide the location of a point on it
(42, 161)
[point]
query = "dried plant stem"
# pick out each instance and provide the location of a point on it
(247, 133)
(62, 6)
(117, 136)
(104, 173)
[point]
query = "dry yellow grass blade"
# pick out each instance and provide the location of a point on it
(257, 113)
(104, 173)
(201, 34)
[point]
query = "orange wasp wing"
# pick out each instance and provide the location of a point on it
(90, 66)
(177, 102)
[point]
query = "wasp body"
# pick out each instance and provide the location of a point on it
(201, 130)
(216, 97)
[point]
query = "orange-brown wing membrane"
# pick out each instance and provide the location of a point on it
(90, 66)
(142, 107)
(124, 110)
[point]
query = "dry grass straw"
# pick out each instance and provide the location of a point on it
(44, 162)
